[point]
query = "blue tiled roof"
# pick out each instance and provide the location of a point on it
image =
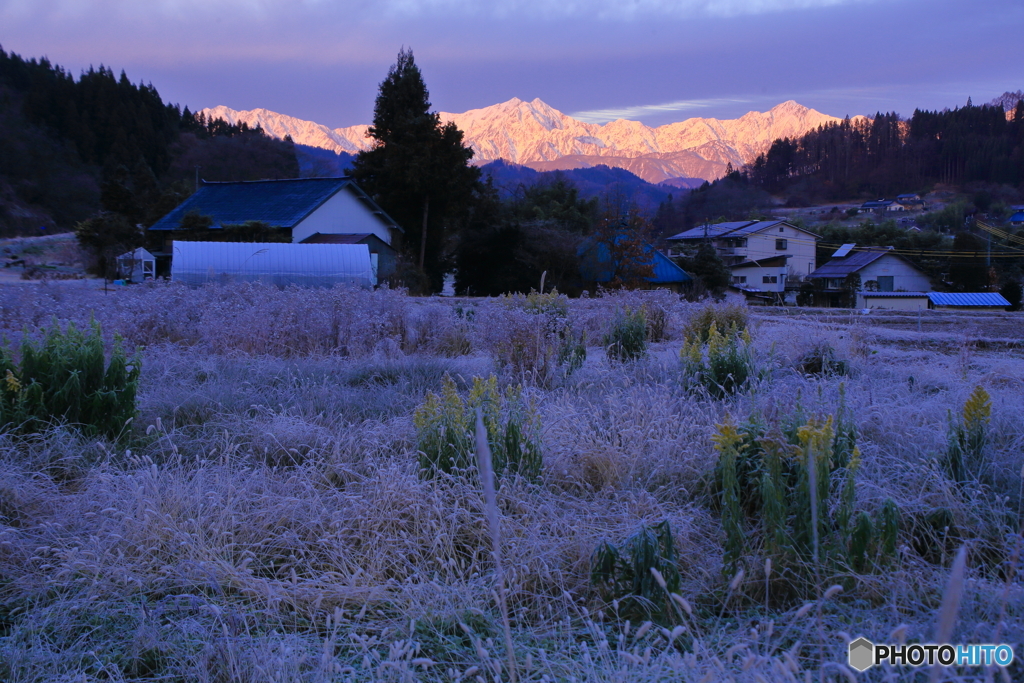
(968, 299)
(596, 265)
(279, 203)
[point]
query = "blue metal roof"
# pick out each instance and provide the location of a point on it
(279, 203)
(596, 264)
(1017, 217)
(968, 299)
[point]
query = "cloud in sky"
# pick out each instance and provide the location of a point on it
(644, 111)
(652, 60)
(364, 10)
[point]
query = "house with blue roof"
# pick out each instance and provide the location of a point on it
(598, 266)
(306, 210)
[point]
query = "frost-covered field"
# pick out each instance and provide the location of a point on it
(266, 520)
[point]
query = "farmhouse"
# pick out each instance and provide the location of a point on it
(597, 266)
(881, 206)
(304, 210)
(910, 202)
(756, 249)
(867, 269)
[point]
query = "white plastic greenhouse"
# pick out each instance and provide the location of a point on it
(281, 264)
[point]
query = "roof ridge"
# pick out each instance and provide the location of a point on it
(270, 180)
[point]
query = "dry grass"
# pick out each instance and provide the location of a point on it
(268, 522)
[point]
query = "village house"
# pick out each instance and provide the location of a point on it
(308, 210)
(597, 266)
(881, 206)
(910, 202)
(763, 256)
(877, 268)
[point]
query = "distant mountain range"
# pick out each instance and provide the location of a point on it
(535, 135)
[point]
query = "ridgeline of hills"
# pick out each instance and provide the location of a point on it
(70, 147)
(537, 136)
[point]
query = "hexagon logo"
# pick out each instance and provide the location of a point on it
(862, 654)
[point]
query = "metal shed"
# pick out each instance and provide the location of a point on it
(968, 300)
(281, 264)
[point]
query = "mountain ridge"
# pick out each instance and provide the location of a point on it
(538, 136)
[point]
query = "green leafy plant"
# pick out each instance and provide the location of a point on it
(572, 351)
(623, 572)
(803, 520)
(723, 364)
(444, 430)
(822, 361)
(65, 379)
(967, 439)
(627, 338)
(726, 317)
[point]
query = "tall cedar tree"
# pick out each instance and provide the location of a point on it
(418, 169)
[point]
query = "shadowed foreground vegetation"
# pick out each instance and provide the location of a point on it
(267, 517)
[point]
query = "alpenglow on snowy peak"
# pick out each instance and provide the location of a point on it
(536, 135)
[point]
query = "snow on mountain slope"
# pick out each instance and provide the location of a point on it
(351, 140)
(537, 135)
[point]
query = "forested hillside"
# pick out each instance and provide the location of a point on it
(889, 155)
(71, 147)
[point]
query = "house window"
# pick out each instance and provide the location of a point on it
(781, 245)
(770, 279)
(782, 229)
(885, 283)
(739, 279)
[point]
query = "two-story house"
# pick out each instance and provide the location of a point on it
(763, 256)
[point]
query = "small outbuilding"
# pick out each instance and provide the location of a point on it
(894, 301)
(277, 263)
(137, 266)
(968, 301)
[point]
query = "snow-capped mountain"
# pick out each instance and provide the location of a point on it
(536, 135)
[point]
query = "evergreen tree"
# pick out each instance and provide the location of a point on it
(707, 269)
(418, 169)
(967, 270)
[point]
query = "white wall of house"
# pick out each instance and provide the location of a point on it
(342, 214)
(795, 242)
(765, 279)
(896, 303)
(905, 277)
